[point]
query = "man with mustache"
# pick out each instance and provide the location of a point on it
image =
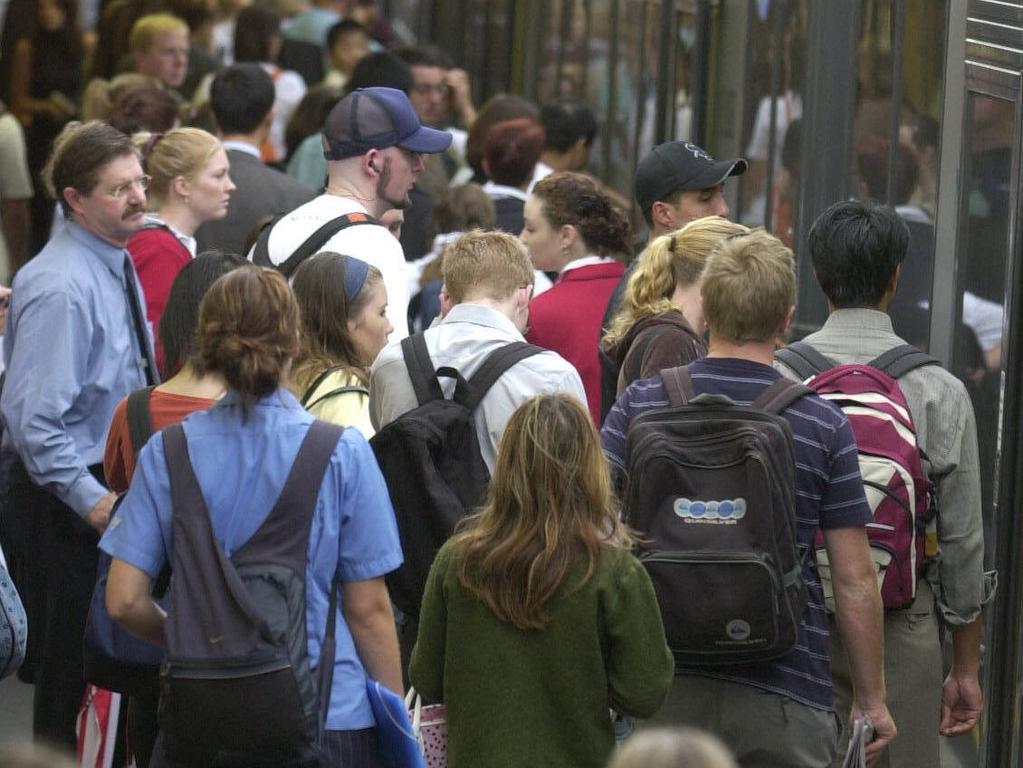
(375, 147)
(76, 343)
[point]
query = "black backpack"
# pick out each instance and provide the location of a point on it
(311, 245)
(430, 457)
(711, 494)
(236, 687)
(114, 658)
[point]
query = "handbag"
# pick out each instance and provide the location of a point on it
(397, 746)
(429, 723)
(13, 623)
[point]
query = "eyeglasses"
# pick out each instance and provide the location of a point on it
(122, 189)
(426, 88)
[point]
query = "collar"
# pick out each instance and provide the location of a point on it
(477, 314)
(190, 243)
(500, 190)
(112, 256)
(279, 398)
(585, 261)
(241, 146)
(858, 321)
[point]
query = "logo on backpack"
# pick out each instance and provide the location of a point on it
(726, 512)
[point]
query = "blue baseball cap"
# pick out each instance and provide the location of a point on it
(377, 118)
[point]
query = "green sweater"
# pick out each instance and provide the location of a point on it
(521, 698)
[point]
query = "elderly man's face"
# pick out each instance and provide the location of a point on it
(115, 208)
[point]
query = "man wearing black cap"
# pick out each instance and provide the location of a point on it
(375, 146)
(676, 183)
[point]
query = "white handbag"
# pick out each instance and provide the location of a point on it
(429, 724)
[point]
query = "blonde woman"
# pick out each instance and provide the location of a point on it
(536, 619)
(189, 183)
(660, 323)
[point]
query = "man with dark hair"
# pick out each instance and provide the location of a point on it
(242, 98)
(857, 250)
(76, 343)
(570, 128)
(347, 45)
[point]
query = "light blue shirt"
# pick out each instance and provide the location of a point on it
(307, 163)
(71, 355)
(312, 25)
(241, 465)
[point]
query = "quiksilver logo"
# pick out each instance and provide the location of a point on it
(725, 510)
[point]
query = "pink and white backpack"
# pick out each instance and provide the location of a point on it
(897, 488)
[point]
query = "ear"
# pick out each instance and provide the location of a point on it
(372, 162)
(663, 215)
(783, 328)
(445, 301)
(181, 186)
(568, 236)
(72, 197)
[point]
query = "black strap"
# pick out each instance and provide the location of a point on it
(898, 361)
(678, 384)
(138, 322)
(316, 383)
(420, 368)
(804, 359)
(140, 418)
(312, 244)
(780, 395)
(338, 391)
(497, 362)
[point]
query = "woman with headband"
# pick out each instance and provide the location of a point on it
(660, 323)
(342, 333)
(188, 184)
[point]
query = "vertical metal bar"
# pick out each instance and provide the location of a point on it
(531, 33)
(699, 76)
(898, 39)
(588, 35)
(611, 113)
(564, 28)
(486, 70)
(780, 10)
(640, 83)
(665, 69)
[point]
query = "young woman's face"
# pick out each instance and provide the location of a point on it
(370, 328)
(540, 238)
(210, 190)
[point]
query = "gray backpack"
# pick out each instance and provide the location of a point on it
(236, 686)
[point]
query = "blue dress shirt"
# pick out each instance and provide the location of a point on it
(241, 463)
(71, 355)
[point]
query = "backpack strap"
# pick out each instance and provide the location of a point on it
(339, 391)
(678, 384)
(312, 244)
(316, 383)
(900, 360)
(140, 418)
(420, 368)
(803, 359)
(780, 395)
(497, 362)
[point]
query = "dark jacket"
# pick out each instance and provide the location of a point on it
(655, 342)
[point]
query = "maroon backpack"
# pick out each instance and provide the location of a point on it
(897, 488)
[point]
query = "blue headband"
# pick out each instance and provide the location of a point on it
(355, 276)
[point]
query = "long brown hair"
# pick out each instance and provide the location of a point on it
(550, 503)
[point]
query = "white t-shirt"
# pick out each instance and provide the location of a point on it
(372, 244)
(15, 182)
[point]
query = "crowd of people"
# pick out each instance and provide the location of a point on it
(283, 239)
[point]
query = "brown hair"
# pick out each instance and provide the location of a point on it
(248, 330)
(549, 506)
(494, 264)
(511, 150)
(574, 199)
(669, 261)
(180, 152)
(748, 287)
(326, 309)
(79, 154)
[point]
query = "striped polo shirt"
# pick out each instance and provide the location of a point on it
(829, 494)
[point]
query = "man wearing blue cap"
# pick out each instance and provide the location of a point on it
(375, 146)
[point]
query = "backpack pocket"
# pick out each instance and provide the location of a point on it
(713, 606)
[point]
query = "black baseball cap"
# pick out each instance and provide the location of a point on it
(377, 118)
(677, 165)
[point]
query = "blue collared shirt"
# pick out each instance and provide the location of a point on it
(71, 355)
(241, 465)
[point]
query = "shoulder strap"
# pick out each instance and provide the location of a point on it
(898, 361)
(140, 418)
(338, 391)
(678, 384)
(316, 383)
(803, 359)
(261, 252)
(497, 362)
(420, 368)
(318, 239)
(780, 395)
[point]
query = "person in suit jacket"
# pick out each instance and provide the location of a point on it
(242, 98)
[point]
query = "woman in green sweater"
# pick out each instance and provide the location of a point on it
(536, 619)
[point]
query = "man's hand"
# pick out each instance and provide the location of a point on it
(884, 729)
(961, 705)
(461, 95)
(99, 515)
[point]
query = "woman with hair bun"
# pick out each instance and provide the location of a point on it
(342, 334)
(660, 323)
(572, 228)
(242, 450)
(189, 183)
(536, 619)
